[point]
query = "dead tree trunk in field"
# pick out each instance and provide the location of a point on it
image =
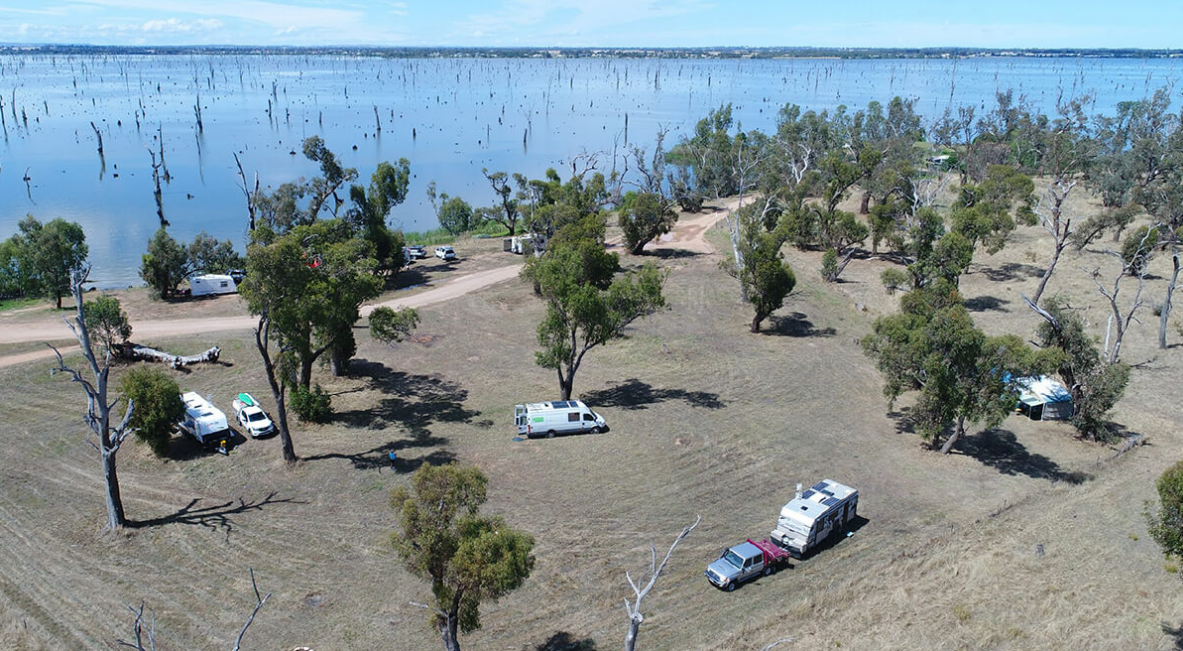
(1058, 225)
(635, 618)
(137, 352)
(1136, 262)
(250, 196)
(98, 410)
(156, 188)
(137, 627)
(1165, 316)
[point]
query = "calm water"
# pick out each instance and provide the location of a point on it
(449, 117)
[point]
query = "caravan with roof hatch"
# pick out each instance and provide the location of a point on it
(814, 515)
(557, 417)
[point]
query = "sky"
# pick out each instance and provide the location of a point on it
(605, 23)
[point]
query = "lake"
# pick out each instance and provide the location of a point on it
(449, 117)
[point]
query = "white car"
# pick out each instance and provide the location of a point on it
(251, 416)
(445, 253)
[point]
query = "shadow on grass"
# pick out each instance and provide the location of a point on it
(187, 448)
(414, 402)
(670, 254)
(564, 641)
(379, 457)
(214, 517)
(1173, 632)
(795, 325)
(1012, 271)
(1000, 449)
(986, 303)
(852, 527)
(635, 394)
(416, 274)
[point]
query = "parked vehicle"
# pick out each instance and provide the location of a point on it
(237, 274)
(558, 417)
(518, 244)
(812, 516)
(445, 253)
(202, 420)
(213, 284)
(251, 416)
(746, 561)
(414, 252)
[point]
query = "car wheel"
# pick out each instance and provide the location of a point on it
(595, 430)
(550, 433)
(731, 586)
(767, 570)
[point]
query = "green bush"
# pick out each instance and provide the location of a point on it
(156, 405)
(1166, 524)
(313, 406)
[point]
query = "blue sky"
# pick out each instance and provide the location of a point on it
(662, 23)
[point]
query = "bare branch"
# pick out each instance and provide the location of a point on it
(777, 643)
(258, 606)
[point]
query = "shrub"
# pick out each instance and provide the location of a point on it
(830, 268)
(313, 406)
(156, 405)
(1166, 524)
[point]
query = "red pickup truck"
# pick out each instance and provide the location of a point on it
(746, 561)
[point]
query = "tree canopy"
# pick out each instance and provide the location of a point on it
(158, 405)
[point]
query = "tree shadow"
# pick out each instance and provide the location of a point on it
(413, 401)
(564, 641)
(379, 456)
(905, 422)
(984, 303)
(795, 325)
(1011, 271)
(635, 394)
(670, 254)
(213, 517)
(1173, 632)
(1000, 449)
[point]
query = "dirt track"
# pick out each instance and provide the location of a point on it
(688, 234)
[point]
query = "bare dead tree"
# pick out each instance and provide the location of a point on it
(635, 618)
(1136, 263)
(1165, 314)
(168, 178)
(278, 383)
(98, 134)
(138, 632)
(98, 409)
(1057, 224)
(197, 114)
(250, 196)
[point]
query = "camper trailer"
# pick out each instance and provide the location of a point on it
(212, 284)
(1042, 398)
(202, 420)
(558, 417)
(813, 515)
(518, 244)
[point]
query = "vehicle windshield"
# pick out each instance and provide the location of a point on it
(256, 416)
(733, 558)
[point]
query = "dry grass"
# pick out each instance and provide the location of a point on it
(706, 419)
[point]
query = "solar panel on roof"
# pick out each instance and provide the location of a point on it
(807, 494)
(820, 486)
(830, 501)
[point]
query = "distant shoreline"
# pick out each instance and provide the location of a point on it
(597, 53)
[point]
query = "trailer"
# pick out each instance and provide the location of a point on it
(557, 417)
(203, 421)
(212, 284)
(746, 561)
(814, 515)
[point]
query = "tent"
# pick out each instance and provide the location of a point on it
(1043, 398)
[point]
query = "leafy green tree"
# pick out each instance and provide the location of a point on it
(1094, 385)
(332, 177)
(48, 254)
(388, 188)
(644, 216)
(933, 347)
(158, 402)
(469, 558)
(107, 322)
(209, 255)
(13, 280)
(389, 326)
(580, 314)
(508, 212)
(985, 214)
(706, 157)
(1166, 524)
(455, 215)
(165, 264)
(765, 277)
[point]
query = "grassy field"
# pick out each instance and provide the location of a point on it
(1024, 538)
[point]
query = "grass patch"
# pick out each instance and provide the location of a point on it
(17, 303)
(437, 236)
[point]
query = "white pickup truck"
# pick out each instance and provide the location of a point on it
(251, 416)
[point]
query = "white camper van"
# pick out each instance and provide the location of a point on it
(202, 420)
(814, 515)
(211, 284)
(558, 417)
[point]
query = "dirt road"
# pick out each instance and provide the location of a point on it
(688, 234)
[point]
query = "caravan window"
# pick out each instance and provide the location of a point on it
(223, 283)
(573, 417)
(588, 417)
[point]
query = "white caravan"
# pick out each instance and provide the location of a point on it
(558, 417)
(202, 420)
(212, 284)
(814, 515)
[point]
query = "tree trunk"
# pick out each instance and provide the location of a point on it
(956, 435)
(1166, 304)
(338, 362)
(565, 387)
(285, 435)
(756, 322)
(115, 516)
(1047, 275)
(59, 300)
(634, 627)
(306, 371)
(864, 207)
(448, 632)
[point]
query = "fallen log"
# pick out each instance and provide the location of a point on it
(143, 353)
